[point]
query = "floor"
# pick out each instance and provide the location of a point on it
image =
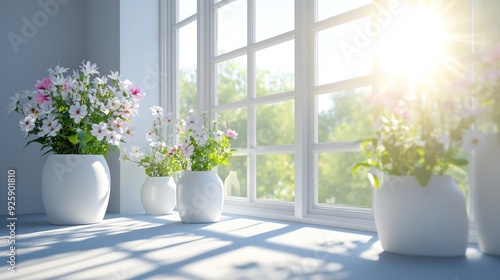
(237, 247)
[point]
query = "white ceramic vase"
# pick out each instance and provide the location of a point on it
(75, 189)
(158, 195)
(200, 197)
(422, 221)
(485, 194)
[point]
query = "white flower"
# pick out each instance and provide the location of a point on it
(58, 80)
(123, 154)
(149, 136)
(114, 103)
(16, 97)
(185, 142)
(129, 134)
(473, 140)
(168, 118)
(89, 69)
(11, 107)
(77, 112)
(188, 151)
(125, 85)
(130, 108)
(51, 126)
(27, 124)
(192, 122)
(58, 70)
(119, 125)
(31, 109)
(201, 137)
(100, 130)
(218, 135)
(156, 111)
(135, 153)
(114, 75)
(159, 157)
(113, 138)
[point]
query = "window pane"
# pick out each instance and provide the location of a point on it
(336, 183)
(329, 8)
(275, 69)
(185, 9)
(231, 26)
(236, 120)
(269, 23)
(239, 165)
(232, 80)
(344, 51)
(342, 117)
(276, 177)
(187, 55)
(275, 124)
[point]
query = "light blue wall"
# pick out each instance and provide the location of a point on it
(43, 37)
(101, 41)
(117, 35)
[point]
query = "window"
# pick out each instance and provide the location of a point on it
(292, 78)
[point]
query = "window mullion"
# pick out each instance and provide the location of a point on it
(168, 54)
(301, 110)
(203, 67)
(251, 111)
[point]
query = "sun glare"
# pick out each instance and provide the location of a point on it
(414, 46)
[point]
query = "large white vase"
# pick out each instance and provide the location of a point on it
(158, 195)
(75, 189)
(200, 197)
(485, 193)
(422, 221)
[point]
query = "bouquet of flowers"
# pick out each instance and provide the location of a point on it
(418, 131)
(82, 113)
(159, 158)
(203, 144)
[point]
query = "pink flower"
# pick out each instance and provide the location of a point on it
(66, 87)
(231, 133)
(136, 91)
(44, 84)
(41, 98)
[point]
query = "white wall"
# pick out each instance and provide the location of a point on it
(139, 62)
(117, 35)
(43, 36)
(101, 41)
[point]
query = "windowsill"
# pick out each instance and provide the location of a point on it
(142, 246)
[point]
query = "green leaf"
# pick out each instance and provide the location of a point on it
(357, 166)
(73, 139)
(374, 180)
(423, 176)
(82, 138)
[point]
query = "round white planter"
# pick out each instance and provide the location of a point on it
(200, 197)
(423, 221)
(158, 195)
(485, 193)
(75, 189)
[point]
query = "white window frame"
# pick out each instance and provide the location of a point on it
(306, 148)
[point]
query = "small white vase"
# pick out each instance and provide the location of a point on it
(158, 195)
(485, 194)
(200, 197)
(422, 221)
(75, 189)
